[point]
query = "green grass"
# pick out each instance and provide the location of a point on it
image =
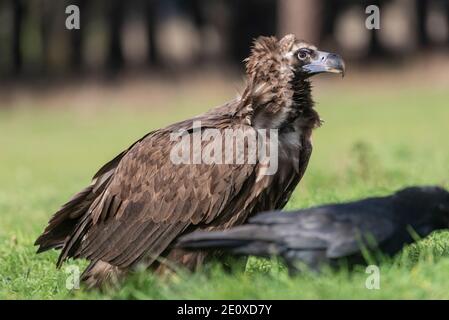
(371, 144)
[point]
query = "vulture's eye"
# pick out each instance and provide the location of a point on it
(303, 54)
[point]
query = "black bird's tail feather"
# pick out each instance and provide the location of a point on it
(244, 240)
(211, 243)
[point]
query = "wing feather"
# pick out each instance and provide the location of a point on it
(149, 201)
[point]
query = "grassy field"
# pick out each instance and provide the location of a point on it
(371, 144)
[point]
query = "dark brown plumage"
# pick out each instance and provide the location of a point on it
(140, 202)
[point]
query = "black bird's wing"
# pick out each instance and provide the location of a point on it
(338, 230)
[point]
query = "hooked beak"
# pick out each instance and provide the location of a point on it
(325, 62)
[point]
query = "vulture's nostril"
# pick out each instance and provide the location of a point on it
(332, 56)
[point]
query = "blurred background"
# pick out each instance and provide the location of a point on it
(154, 36)
(125, 49)
(70, 100)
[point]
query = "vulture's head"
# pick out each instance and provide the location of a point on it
(278, 74)
(290, 57)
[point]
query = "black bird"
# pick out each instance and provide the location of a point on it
(324, 234)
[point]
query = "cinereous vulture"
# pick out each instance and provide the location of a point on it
(141, 201)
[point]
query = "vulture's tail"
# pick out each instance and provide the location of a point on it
(63, 222)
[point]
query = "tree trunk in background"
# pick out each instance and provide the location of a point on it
(301, 18)
(447, 19)
(115, 59)
(77, 38)
(151, 10)
(329, 14)
(18, 15)
(376, 49)
(249, 19)
(45, 30)
(421, 15)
